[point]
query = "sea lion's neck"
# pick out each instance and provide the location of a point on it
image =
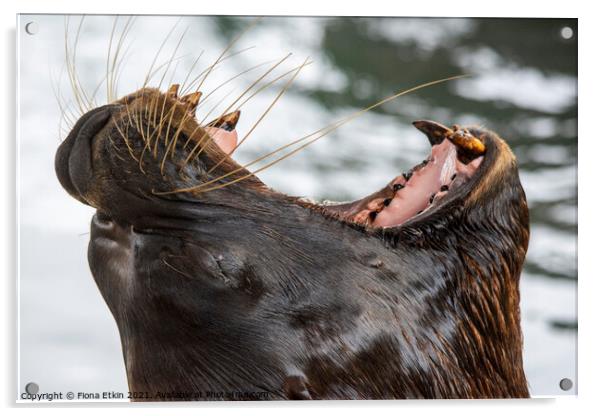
(281, 281)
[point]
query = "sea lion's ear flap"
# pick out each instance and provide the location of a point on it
(192, 100)
(172, 92)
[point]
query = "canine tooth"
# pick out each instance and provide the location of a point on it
(434, 131)
(227, 122)
(470, 145)
(467, 142)
(192, 99)
(172, 92)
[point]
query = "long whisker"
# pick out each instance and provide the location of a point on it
(159, 128)
(258, 80)
(165, 97)
(70, 56)
(150, 70)
(114, 146)
(269, 84)
(206, 97)
(204, 140)
(201, 142)
(280, 94)
(217, 104)
(323, 131)
(137, 123)
(132, 122)
(172, 57)
(167, 129)
(103, 80)
(230, 45)
(192, 69)
(107, 76)
(155, 101)
(148, 77)
(55, 85)
(67, 116)
(146, 143)
(173, 74)
(171, 144)
(186, 89)
(68, 61)
(126, 29)
(82, 90)
(125, 139)
(119, 68)
(70, 114)
(167, 62)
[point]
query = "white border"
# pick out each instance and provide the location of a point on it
(18, 201)
(589, 114)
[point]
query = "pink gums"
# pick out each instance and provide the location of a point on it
(425, 182)
(226, 140)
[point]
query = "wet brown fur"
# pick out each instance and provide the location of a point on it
(242, 288)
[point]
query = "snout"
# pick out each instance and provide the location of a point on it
(73, 160)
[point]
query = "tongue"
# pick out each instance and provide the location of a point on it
(226, 140)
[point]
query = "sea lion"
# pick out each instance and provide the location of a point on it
(223, 288)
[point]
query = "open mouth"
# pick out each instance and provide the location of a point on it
(456, 155)
(420, 189)
(454, 158)
(223, 131)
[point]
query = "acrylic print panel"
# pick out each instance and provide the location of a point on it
(199, 277)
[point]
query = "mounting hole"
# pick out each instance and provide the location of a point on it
(32, 388)
(31, 28)
(566, 33)
(566, 384)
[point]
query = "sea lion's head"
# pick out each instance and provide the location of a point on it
(126, 157)
(147, 159)
(419, 278)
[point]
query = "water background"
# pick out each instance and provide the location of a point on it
(523, 86)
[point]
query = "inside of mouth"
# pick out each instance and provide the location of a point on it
(224, 136)
(425, 185)
(412, 193)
